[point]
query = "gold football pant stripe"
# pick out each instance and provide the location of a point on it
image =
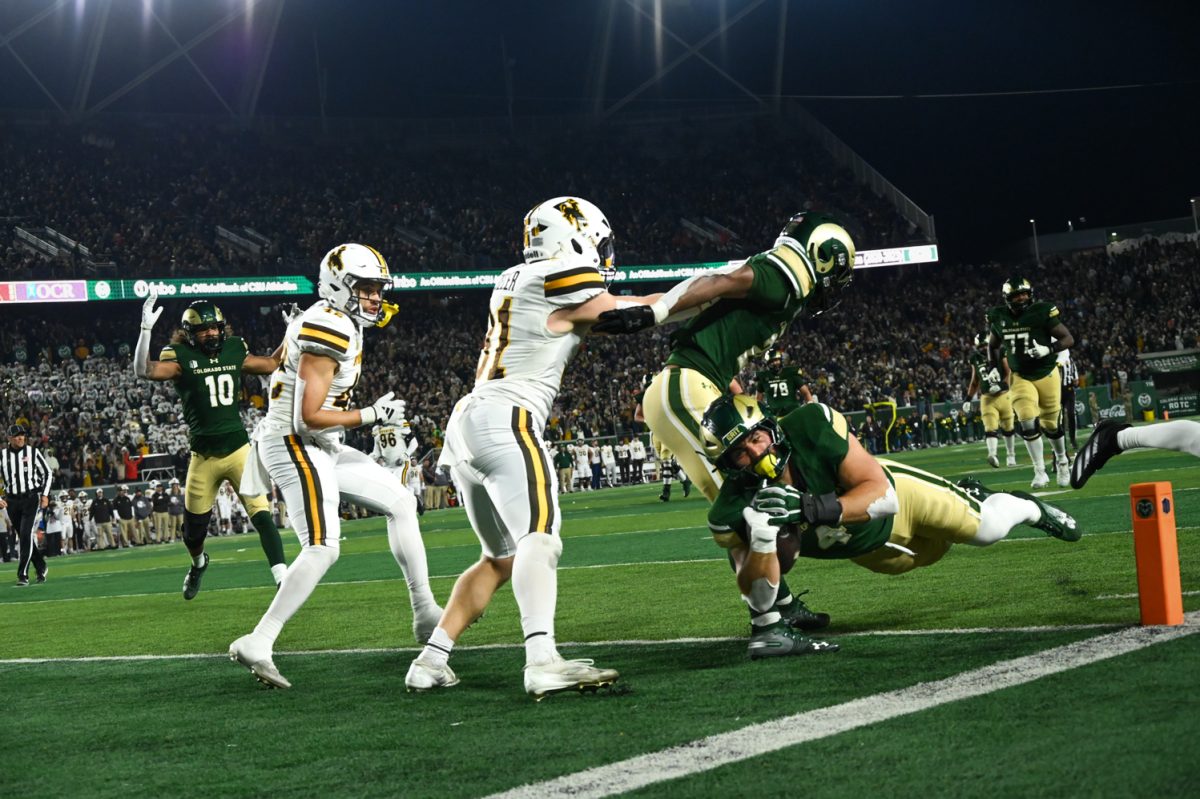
(536, 473)
(310, 487)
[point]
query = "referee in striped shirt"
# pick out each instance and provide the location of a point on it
(26, 490)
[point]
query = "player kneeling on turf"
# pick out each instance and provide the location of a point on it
(803, 486)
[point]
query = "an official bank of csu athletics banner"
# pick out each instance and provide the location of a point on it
(46, 291)
(450, 281)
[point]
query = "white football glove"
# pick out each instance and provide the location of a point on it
(150, 314)
(966, 407)
(386, 409)
(1036, 350)
(762, 533)
(290, 312)
(992, 376)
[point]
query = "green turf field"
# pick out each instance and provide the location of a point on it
(114, 686)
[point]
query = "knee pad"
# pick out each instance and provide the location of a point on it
(195, 526)
(541, 545)
(1031, 430)
(1056, 433)
(993, 434)
(1009, 433)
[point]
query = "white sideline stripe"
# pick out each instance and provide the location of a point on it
(1135, 596)
(758, 739)
(567, 644)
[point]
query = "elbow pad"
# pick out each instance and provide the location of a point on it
(887, 505)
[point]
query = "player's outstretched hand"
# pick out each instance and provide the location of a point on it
(290, 312)
(150, 314)
(625, 320)
(385, 410)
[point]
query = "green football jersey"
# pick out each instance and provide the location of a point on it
(1032, 326)
(819, 440)
(719, 340)
(209, 388)
(980, 364)
(779, 389)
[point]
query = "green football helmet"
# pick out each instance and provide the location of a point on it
(774, 359)
(727, 423)
(199, 316)
(829, 249)
(1013, 289)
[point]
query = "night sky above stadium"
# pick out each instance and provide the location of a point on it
(1002, 143)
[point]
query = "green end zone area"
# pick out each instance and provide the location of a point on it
(637, 579)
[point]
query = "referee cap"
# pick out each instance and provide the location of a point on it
(17, 430)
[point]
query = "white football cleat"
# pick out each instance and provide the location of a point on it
(255, 656)
(423, 675)
(1012, 461)
(993, 461)
(425, 621)
(544, 679)
(1062, 473)
(1040, 480)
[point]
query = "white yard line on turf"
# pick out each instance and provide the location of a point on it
(1135, 596)
(717, 750)
(565, 645)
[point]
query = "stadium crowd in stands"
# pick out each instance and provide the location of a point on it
(150, 200)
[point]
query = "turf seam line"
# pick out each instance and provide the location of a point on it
(755, 740)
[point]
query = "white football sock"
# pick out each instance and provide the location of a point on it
(1037, 453)
(302, 577)
(404, 538)
(278, 571)
(437, 651)
(1010, 445)
(1059, 445)
(1000, 513)
(535, 586)
(991, 446)
(1178, 434)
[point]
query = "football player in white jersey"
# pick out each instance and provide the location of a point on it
(538, 314)
(393, 450)
(299, 445)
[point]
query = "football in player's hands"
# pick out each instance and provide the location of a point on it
(150, 314)
(625, 320)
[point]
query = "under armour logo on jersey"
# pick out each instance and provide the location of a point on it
(571, 211)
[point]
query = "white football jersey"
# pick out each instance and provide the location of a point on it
(321, 330)
(391, 444)
(522, 361)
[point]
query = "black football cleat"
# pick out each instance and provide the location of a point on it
(1100, 446)
(191, 583)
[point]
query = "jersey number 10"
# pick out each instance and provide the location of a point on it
(220, 389)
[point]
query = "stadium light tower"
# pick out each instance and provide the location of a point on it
(1037, 253)
(1195, 219)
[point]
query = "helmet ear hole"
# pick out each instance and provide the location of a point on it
(577, 246)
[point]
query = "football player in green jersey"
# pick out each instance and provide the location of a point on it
(1029, 335)
(802, 486)
(733, 314)
(206, 366)
(781, 389)
(995, 406)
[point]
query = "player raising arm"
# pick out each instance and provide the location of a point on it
(206, 365)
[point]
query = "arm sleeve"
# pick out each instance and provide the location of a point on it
(141, 354)
(574, 286)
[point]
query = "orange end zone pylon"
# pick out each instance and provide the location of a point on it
(1157, 553)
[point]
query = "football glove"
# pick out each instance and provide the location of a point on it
(1036, 350)
(992, 377)
(785, 505)
(966, 407)
(386, 409)
(625, 320)
(290, 312)
(150, 314)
